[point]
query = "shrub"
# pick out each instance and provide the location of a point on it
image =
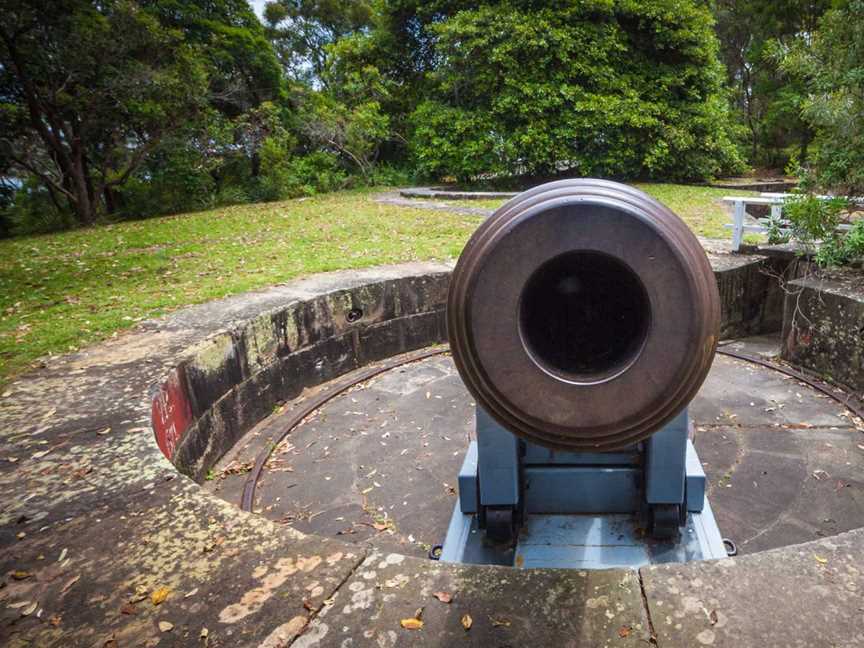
(814, 222)
(626, 89)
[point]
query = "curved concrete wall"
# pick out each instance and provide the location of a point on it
(232, 380)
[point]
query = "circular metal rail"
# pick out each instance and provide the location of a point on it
(308, 407)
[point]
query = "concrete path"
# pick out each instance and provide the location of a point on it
(393, 198)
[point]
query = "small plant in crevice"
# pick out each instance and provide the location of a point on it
(813, 222)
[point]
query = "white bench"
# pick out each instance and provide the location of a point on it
(773, 200)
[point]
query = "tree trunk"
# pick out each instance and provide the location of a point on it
(110, 200)
(82, 204)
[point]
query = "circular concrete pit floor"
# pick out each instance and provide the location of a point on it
(378, 464)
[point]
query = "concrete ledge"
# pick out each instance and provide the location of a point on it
(441, 193)
(95, 520)
(823, 326)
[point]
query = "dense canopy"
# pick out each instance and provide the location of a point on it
(125, 108)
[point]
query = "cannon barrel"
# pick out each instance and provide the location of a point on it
(583, 315)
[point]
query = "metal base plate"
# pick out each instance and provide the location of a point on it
(584, 542)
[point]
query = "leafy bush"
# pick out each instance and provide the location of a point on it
(814, 222)
(31, 211)
(627, 89)
(285, 176)
(176, 178)
(831, 64)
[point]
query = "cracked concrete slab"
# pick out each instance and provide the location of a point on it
(799, 597)
(504, 607)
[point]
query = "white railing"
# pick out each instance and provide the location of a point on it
(773, 200)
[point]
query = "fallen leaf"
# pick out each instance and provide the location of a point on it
(21, 574)
(18, 605)
(411, 624)
(166, 626)
(62, 555)
(820, 559)
(444, 597)
(55, 620)
(70, 583)
(105, 431)
(467, 621)
(39, 455)
(160, 595)
(501, 621)
(139, 595)
(30, 609)
(204, 633)
(624, 631)
(191, 593)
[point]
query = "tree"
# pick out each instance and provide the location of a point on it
(88, 90)
(767, 101)
(302, 30)
(831, 65)
(623, 88)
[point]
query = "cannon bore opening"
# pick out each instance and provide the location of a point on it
(584, 316)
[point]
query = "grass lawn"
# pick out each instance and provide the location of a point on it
(700, 207)
(61, 292)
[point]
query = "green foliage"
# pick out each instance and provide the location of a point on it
(814, 222)
(753, 35)
(92, 92)
(283, 176)
(354, 131)
(831, 65)
(301, 31)
(613, 89)
(176, 178)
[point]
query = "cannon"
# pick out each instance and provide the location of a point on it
(583, 317)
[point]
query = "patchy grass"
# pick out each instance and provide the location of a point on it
(63, 291)
(700, 207)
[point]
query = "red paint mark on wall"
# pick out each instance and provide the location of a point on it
(171, 414)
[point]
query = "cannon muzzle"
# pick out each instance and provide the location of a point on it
(583, 315)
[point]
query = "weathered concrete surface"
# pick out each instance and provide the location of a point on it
(799, 597)
(91, 577)
(823, 326)
(504, 607)
(377, 464)
(443, 193)
(79, 471)
(93, 516)
(423, 202)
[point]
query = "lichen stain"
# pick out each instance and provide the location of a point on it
(706, 637)
(211, 354)
(252, 601)
(285, 633)
(317, 631)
